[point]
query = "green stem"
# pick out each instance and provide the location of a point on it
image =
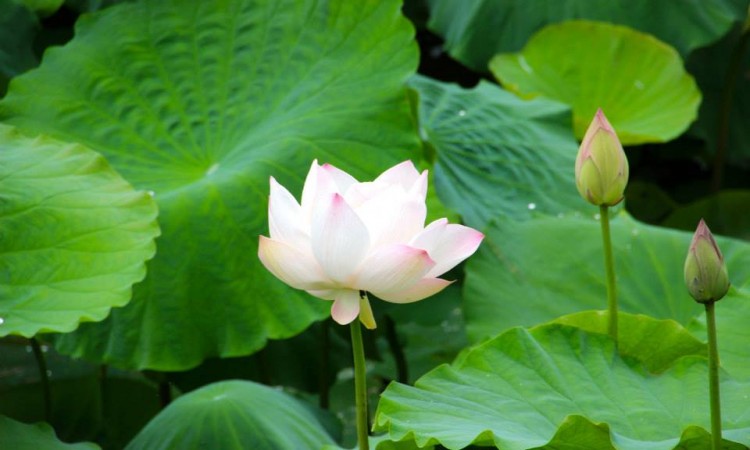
(43, 377)
(360, 386)
(713, 377)
(609, 264)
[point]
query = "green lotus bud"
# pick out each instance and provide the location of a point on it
(705, 272)
(601, 165)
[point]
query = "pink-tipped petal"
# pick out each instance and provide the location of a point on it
(393, 216)
(342, 179)
(292, 266)
(447, 244)
(424, 288)
(345, 307)
(393, 268)
(340, 239)
(311, 183)
(285, 220)
(318, 188)
(403, 174)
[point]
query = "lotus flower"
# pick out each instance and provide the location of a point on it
(601, 165)
(705, 272)
(347, 238)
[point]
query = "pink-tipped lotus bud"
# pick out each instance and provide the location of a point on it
(705, 272)
(601, 165)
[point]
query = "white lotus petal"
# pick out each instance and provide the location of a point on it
(342, 179)
(403, 174)
(419, 188)
(447, 244)
(285, 221)
(424, 288)
(325, 294)
(393, 216)
(359, 193)
(393, 268)
(345, 307)
(429, 238)
(339, 239)
(310, 187)
(317, 189)
(291, 265)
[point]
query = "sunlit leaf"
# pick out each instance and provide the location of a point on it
(558, 387)
(475, 30)
(657, 344)
(201, 102)
(526, 273)
(637, 80)
(75, 236)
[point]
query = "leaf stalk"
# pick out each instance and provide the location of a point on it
(713, 377)
(609, 265)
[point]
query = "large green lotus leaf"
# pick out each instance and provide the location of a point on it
(637, 80)
(733, 333)
(200, 102)
(657, 344)
(559, 387)
(496, 153)
(531, 272)
(233, 415)
(20, 436)
(75, 236)
(475, 30)
(721, 72)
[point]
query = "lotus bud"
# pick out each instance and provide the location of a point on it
(705, 272)
(601, 165)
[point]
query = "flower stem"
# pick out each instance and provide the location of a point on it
(609, 264)
(713, 378)
(360, 386)
(43, 377)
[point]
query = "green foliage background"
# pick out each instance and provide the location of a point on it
(136, 144)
